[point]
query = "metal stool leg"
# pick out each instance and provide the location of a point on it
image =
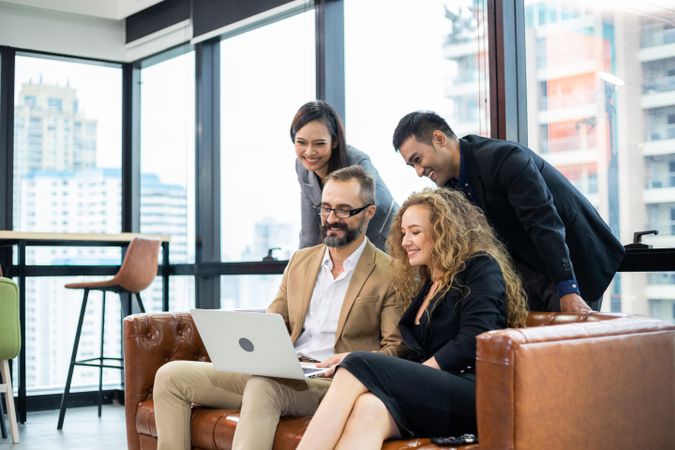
(100, 367)
(141, 308)
(125, 298)
(78, 332)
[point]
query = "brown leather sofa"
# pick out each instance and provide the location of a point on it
(592, 381)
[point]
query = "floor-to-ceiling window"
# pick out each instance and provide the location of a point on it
(266, 75)
(167, 143)
(601, 109)
(406, 55)
(67, 178)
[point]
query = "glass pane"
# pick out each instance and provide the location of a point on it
(601, 105)
(167, 169)
(52, 313)
(260, 196)
(248, 291)
(388, 74)
(67, 178)
(168, 153)
(68, 255)
(67, 146)
(649, 294)
(181, 294)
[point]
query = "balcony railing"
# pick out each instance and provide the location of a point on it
(579, 97)
(586, 185)
(660, 182)
(568, 143)
(660, 85)
(655, 35)
(661, 278)
(661, 133)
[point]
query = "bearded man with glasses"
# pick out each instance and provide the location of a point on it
(335, 298)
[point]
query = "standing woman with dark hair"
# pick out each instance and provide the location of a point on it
(320, 147)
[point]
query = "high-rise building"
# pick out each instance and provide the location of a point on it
(60, 189)
(466, 85)
(601, 109)
(598, 110)
(657, 149)
(51, 130)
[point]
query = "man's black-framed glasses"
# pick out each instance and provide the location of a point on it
(340, 213)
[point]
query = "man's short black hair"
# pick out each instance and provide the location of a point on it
(420, 125)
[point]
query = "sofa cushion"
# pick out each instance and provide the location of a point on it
(153, 339)
(213, 429)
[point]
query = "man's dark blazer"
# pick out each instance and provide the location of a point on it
(543, 220)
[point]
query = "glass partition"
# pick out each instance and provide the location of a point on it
(405, 55)
(168, 166)
(601, 107)
(248, 291)
(67, 178)
(266, 75)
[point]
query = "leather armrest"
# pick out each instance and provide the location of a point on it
(150, 341)
(593, 384)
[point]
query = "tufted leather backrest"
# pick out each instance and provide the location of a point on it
(539, 319)
(150, 341)
(591, 357)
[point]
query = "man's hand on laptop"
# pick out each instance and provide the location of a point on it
(331, 363)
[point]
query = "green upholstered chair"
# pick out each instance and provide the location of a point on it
(10, 344)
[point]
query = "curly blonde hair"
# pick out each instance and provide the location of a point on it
(459, 231)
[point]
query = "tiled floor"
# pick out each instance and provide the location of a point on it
(82, 430)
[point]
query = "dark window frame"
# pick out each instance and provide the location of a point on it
(507, 109)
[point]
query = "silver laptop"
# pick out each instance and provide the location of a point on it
(250, 342)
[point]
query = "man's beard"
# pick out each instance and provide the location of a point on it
(350, 234)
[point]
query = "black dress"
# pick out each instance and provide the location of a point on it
(422, 400)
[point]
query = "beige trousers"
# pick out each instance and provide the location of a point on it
(262, 401)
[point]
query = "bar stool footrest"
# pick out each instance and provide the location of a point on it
(99, 358)
(107, 366)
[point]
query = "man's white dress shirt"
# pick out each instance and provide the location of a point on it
(318, 337)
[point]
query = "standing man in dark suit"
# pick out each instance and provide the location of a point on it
(565, 252)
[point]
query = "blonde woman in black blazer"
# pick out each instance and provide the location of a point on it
(457, 282)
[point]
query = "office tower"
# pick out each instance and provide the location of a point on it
(467, 85)
(594, 115)
(60, 189)
(51, 131)
(657, 149)
(606, 122)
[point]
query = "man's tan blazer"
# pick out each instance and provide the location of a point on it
(369, 315)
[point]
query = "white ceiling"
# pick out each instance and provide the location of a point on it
(106, 9)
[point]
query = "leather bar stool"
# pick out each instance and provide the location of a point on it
(137, 272)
